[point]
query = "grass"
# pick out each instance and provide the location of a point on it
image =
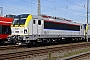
(70, 54)
(75, 53)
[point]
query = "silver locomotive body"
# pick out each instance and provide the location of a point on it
(32, 28)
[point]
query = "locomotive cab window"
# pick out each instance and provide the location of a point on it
(81, 27)
(33, 21)
(39, 22)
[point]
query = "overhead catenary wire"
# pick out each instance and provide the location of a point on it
(76, 4)
(65, 8)
(58, 4)
(17, 8)
(33, 3)
(68, 8)
(42, 5)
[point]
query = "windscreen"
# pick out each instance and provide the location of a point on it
(20, 19)
(16, 20)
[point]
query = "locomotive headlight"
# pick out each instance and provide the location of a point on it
(25, 31)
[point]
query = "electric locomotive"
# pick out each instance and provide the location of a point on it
(28, 28)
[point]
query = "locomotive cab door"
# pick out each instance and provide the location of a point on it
(81, 30)
(40, 27)
(35, 26)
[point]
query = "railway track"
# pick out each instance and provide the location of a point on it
(39, 51)
(9, 47)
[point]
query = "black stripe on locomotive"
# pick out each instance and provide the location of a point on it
(60, 26)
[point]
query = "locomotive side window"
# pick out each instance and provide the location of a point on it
(6, 29)
(39, 22)
(0, 29)
(33, 21)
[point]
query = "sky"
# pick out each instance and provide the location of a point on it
(74, 10)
